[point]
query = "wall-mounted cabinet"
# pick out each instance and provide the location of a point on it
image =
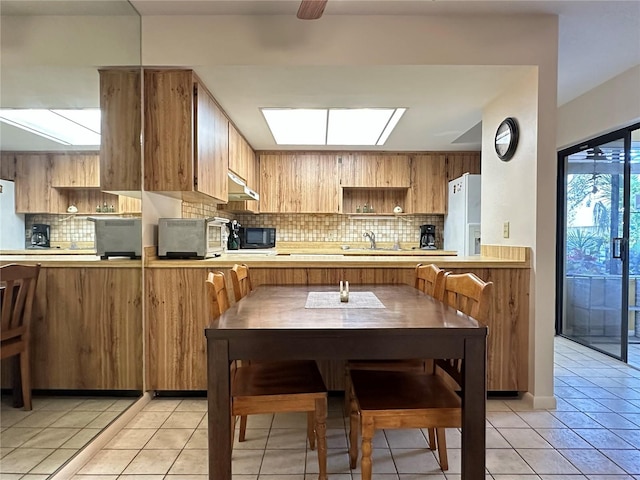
(299, 183)
(186, 138)
(121, 127)
(428, 192)
(459, 163)
(75, 171)
(51, 182)
(244, 163)
(372, 170)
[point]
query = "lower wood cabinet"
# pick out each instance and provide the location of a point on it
(86, 333)
(176, 316)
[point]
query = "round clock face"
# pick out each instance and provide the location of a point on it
(506, 139)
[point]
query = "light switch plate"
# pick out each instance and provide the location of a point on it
(505, 229)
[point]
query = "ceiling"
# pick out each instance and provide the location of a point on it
(597, 41)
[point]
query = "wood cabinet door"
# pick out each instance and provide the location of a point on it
(75, 170)
(33, 184)
(299, 183)
(428, 191)
(212, 147)
(237, 153)
(366, 170)
(7, 166)
(169, 130)
(459, 163)
(121, 127)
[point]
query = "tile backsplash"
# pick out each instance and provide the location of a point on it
(344, 228)
(290, 227)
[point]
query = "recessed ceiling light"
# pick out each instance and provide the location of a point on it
(68, 126)
(335, 126)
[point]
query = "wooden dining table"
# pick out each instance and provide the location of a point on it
(293, 323)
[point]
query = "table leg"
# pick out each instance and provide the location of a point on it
(474, 409)
(219, 409)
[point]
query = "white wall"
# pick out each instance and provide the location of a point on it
(610, 106)
(522, 192)
(398, 40)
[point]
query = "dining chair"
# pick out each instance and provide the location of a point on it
(275, 387)
(17, 298)
(240, 280)
(403, 399)
(429, 279)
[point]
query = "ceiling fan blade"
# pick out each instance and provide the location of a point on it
(311, 9)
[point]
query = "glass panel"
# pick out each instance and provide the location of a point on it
(593, 276)
(634, 252)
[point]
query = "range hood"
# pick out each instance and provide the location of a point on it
(239, 191)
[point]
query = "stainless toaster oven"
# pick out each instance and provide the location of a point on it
(192, 237)
(118, 237)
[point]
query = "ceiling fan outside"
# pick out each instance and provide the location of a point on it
(311, 9)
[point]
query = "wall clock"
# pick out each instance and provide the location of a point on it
(506, 140)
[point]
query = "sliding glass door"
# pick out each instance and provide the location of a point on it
(599, 248)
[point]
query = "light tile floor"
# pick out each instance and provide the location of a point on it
(594, 433)
(34, 444)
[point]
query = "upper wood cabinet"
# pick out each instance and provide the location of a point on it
(243, 162)
(186, 137)
(299, 183)
(33, 184)
(75, 171)
(365, 170)
(459, 163)
(121, 125)
(428, 193)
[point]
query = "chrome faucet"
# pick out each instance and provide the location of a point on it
(372, 238)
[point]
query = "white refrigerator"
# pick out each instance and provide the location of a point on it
(462, 221)
(12, 232)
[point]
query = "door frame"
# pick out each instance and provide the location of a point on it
(561, 213)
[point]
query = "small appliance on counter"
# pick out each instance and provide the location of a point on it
(257, 237)
(40, 235)
(192, 237)
(118, 237)
(428, 237)
(233, 243)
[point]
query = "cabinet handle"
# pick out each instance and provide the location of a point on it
(617, 247)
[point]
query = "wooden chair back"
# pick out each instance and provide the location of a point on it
(430, 280)
(472, 296)
(17, 301)
(241, 281)
(217, 294)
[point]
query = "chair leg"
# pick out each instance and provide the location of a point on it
(432, 438)
(25, 379)
(243, 428)
(311, 433)
(367, 436)
(347, 391)
(233, 429)
(353, 432)
(442, 448)
(321, 433)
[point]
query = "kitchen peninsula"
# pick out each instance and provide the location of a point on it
(176, 307)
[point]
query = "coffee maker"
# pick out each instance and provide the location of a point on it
(40, 235)
(428, 237)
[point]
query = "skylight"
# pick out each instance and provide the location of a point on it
(68, 126)
(334, 126)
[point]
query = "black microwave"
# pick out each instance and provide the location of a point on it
(256, 237)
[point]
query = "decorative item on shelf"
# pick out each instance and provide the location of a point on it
(112, 209)
(72, 208)
(344, 291)
(358, 209)
(98, 209)
(105, 208)
(365, 209)
(397, 209)
(371, 210)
